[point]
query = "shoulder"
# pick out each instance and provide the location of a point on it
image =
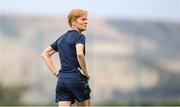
(74, 32)
(60, 36)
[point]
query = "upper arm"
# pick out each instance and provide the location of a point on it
(80, 45)
(48, 51)
(79, 49)
(54, 45)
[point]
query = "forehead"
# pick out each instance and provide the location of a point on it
(83, 17)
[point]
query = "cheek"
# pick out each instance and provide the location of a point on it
(80, 24)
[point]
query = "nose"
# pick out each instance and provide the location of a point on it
(86, 22)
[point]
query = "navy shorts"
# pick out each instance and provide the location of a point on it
(72, 92)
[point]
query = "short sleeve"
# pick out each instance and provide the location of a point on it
(54, 46)
(81, 39)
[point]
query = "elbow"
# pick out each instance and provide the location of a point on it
(43, 55)
(80, 55)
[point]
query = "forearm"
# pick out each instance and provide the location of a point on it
(48, 60)
(82, 62)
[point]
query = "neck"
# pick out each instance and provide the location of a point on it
(74, 28)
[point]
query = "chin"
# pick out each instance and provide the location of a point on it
(83, 29)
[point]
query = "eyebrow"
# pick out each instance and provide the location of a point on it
(84, 18)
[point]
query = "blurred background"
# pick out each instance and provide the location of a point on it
(133, 50)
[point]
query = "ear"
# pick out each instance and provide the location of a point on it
(73, 22)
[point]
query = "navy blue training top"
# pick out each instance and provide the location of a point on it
(65, 45)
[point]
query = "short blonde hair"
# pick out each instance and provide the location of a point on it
(74, 14)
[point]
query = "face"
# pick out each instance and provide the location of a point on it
(80, 23)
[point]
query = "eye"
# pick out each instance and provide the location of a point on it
(84, 19)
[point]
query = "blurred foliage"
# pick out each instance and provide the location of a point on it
(142, 103)
(10, 95)
(9, 27)
(165, 34)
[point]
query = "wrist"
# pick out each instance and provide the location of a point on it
(54, 73)
(86, 75)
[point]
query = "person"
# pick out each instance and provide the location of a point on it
(72, 84)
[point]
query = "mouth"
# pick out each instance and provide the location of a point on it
(85, 25)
